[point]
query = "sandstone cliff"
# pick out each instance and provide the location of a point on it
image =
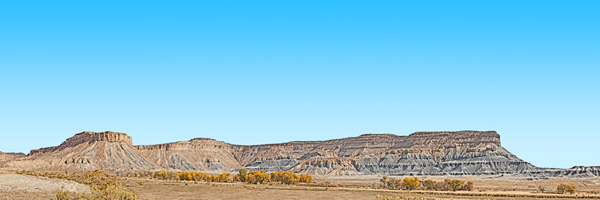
(418, 154)
(88, 151)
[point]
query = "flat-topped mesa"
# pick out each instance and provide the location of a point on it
(107, 136)
(372, 136)
(89, 137)
(473, 137)
(451, 133)
(196, 143)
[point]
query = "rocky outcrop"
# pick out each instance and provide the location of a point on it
(87, 151)
(574, 172)
(200, 154)
(457, 153)
(421, 153)
(88, 137)
(10, 156)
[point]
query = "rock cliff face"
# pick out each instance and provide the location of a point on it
(419, 154)
(197, 154)
(88, 151)
(574, 172)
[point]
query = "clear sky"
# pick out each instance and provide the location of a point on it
(254, 72)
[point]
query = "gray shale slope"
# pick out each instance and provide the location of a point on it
(457, 153)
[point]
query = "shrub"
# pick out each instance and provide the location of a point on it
(224, 177)
(541, 189)
(173, 175)
(468, 186)
(455, 184)
(429, 184)
(391, 183)
(563, 188)
(63, 195)
(305, 178)
(448, 185)
(102, 185)
(383, 180)
(242, 175)
(571, 189)
(442, 186)
(162, 175)
(151, 174)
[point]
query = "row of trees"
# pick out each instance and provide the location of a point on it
(413, 183)
(262, 177)
(252, 177)
(225, 177)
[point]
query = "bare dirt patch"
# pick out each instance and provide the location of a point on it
(15, 186)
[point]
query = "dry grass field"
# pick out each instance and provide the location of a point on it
(354, 188)
(488, 183)
(15, 186)
(18, 186)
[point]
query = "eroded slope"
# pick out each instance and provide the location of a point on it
(88, 151)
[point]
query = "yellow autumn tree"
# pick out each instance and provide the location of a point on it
(224, 177)
(455, 184)
(411, 183)
(305, 178)
(162, 175)
(250, 178)
(563, 188)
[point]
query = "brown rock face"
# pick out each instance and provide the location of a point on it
(88, 137)
(88, 151)
(420, 153)
(197, 154)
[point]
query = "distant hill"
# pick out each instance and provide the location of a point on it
(456, 153)
(10, 156)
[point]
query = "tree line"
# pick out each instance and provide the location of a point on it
(413, 183)
(252, 177)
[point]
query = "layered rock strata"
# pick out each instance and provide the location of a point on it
(87, 151)
(200, 154)
(456, 153)
(421, 153)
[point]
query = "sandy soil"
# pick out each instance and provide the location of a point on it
(14, 186)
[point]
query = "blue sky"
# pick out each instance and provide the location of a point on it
(254, 72)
